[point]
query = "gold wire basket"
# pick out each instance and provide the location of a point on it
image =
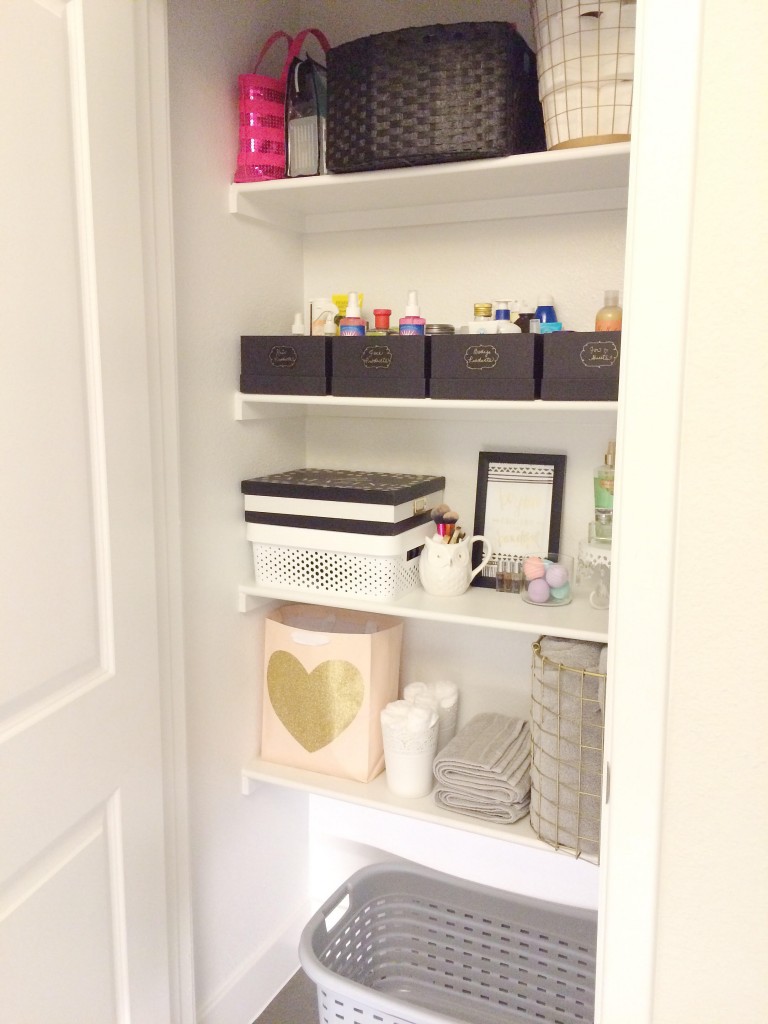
(567, 730)
(585, 53)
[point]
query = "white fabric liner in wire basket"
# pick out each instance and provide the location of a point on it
(585, 56)
(567, 732)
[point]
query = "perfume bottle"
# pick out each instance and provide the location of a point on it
(604, 477)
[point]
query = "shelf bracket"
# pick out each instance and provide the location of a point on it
(249, 410)
(247, 784)
(250, 602)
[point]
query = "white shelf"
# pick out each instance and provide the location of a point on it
(577, 180)
(479, 606)
(580, 180)
(251, 407)
(376, 795)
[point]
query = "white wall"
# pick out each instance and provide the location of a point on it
(344, 21)
(713, 898)
(232, 277)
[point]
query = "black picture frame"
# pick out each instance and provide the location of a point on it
(518, 507)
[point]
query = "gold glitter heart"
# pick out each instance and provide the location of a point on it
(315, 707)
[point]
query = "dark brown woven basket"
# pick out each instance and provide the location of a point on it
(432, 95)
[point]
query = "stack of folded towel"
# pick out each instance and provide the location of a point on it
(485, 770)
(568, 699)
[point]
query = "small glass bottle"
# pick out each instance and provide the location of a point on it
(381, 321)
(608, 317)
(483, 322)
(604, 478)
(517, 576)
(504, 576)
(522, 315)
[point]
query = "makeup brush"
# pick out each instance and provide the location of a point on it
(445, 521)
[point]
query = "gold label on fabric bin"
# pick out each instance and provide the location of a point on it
(283, 355)
(315, 707)
(596, 354)
(377, 357)
(481, 357)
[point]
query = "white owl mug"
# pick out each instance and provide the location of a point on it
(445, 569)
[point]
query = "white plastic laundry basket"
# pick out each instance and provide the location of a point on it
(585, 53)
(402, 944)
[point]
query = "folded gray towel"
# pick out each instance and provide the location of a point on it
(487, 764)
(488, 810)
(576, 654)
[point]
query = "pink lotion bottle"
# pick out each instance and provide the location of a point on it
(412, 322)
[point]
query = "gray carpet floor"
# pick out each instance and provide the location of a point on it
(296, 1003)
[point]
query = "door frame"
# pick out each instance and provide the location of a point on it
(153, 120)
(657, 275)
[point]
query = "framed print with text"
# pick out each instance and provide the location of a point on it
(518, 507)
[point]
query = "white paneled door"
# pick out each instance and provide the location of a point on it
(82, 896)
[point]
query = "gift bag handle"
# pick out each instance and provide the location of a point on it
(298, 42)
(273, 39)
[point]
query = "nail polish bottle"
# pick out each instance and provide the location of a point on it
(517, 576)
(500, 576)
(504, 576)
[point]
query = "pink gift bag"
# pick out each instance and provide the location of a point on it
(261, 152)
(328, 673)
